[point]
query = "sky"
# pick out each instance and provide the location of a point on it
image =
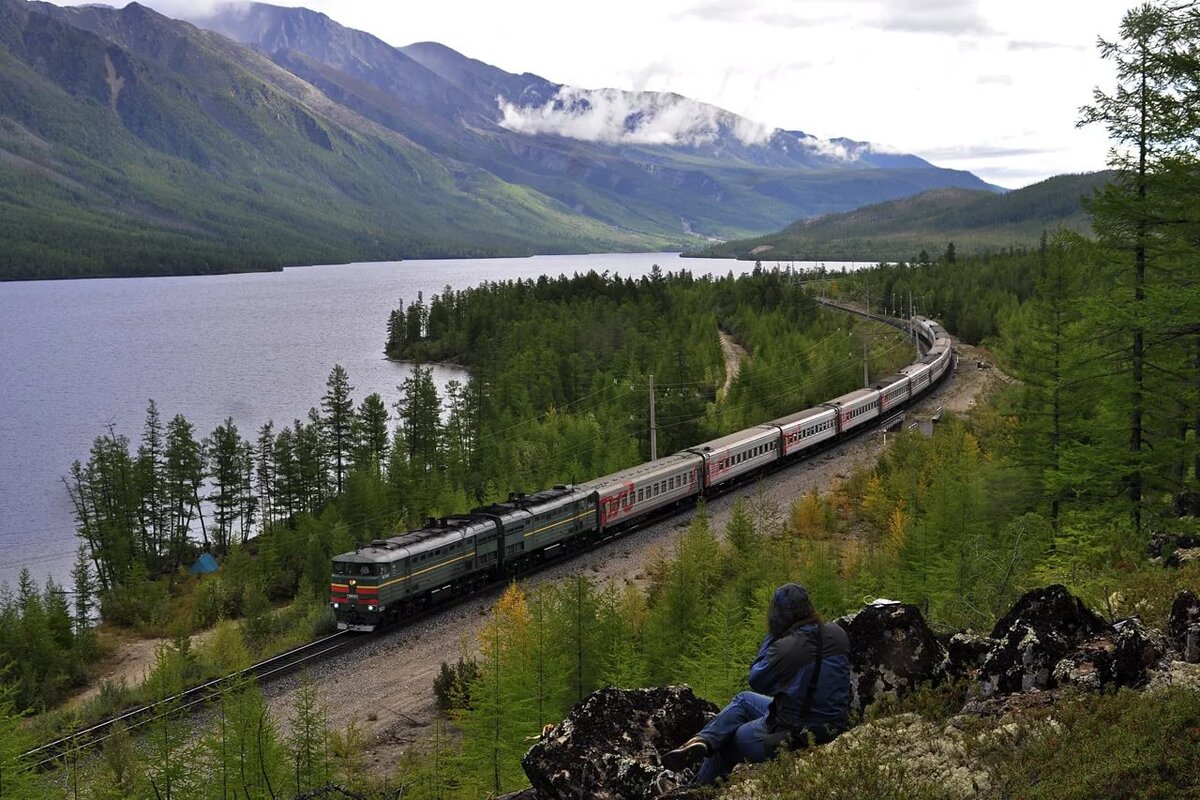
(989, 86)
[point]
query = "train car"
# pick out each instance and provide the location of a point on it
(855, 409)
(893, 391)
(738, 453)
(534, 523)
(806, 428)
(634, 492)
(918, 378)
(381, 580)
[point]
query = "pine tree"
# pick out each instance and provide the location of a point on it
(183, 473)
(307, 746)
(336, 422)
(226, 465)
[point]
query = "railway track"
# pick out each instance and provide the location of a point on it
(47, 754)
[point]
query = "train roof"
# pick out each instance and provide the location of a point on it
(668, 463)
(524, 502)
(734, 439)
(801, 416)
(856, 395)
(437, 532)
(889, 381)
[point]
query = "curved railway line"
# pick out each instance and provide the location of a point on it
(49, 753)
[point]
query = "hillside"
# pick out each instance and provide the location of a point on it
(155, 146)
(976, 221)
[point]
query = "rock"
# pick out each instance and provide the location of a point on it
(1182, 623)
(524, 794)
(608, 747)
(1120, 657)
(965, 654)
(1012, 705)
(892, 651)
(1162, 544)
(1183, 556)
(1040, 630)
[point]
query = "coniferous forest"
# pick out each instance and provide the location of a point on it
(1085, 455)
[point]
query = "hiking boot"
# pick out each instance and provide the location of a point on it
(688, 754)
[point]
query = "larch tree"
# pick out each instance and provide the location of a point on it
(337, 419)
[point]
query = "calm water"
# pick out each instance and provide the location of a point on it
(79, 356)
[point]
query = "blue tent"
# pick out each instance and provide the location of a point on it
(204, 564)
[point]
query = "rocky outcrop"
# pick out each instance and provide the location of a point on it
(609, 746)
(892, 651)
(1183, 626)
(1049, 643)
(1041, 629)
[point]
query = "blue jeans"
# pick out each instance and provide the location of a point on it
(739, 733)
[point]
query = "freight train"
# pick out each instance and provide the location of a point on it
(388, 579)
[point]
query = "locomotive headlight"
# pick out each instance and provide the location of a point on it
(337, 605)
(370, 608)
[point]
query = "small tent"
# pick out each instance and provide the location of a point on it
(204, 564)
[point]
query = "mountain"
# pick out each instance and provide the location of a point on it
(132, 143)
(976, 221)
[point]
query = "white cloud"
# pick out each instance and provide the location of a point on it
(613, 116)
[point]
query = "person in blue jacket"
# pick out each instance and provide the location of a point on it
(801, 693)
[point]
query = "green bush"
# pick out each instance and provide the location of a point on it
(216, 599)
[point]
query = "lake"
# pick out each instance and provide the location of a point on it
(80, 357)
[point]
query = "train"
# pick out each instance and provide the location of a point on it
(386, 580)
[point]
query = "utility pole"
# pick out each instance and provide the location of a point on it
(653, 426)
(866, 377)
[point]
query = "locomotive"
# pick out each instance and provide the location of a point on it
(388, 579)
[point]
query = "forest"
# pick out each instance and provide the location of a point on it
(1067, 474)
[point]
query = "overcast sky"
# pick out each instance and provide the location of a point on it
(990, 86)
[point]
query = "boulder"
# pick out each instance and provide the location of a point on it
(892, 651)
(1041, 629)
(1184, 556)
(1183, 626)
(609, 745)
(965, 654)
(1121, 656)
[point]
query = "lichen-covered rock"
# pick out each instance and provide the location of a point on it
(1040, 630)
(892, 651)
(1183, 556)
(1120, 656)
(1183, 626)
(965, 654)
(609, 746)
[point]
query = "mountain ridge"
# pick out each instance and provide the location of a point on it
(976, 221)
(160, 146)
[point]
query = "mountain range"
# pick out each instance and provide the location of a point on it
(897, 230)
(260, 136)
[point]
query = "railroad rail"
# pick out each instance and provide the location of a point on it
(46, 754)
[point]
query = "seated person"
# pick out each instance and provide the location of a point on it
(801, 683)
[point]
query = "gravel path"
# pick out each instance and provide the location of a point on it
(386, 687)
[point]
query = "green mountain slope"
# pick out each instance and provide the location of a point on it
(895, 230)
(165, 148)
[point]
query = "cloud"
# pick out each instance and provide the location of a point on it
(194, 9)
(958, 17)
(980, 151)
(613, 116)
(1019, 45)
(736, 12)
(1000, 80)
